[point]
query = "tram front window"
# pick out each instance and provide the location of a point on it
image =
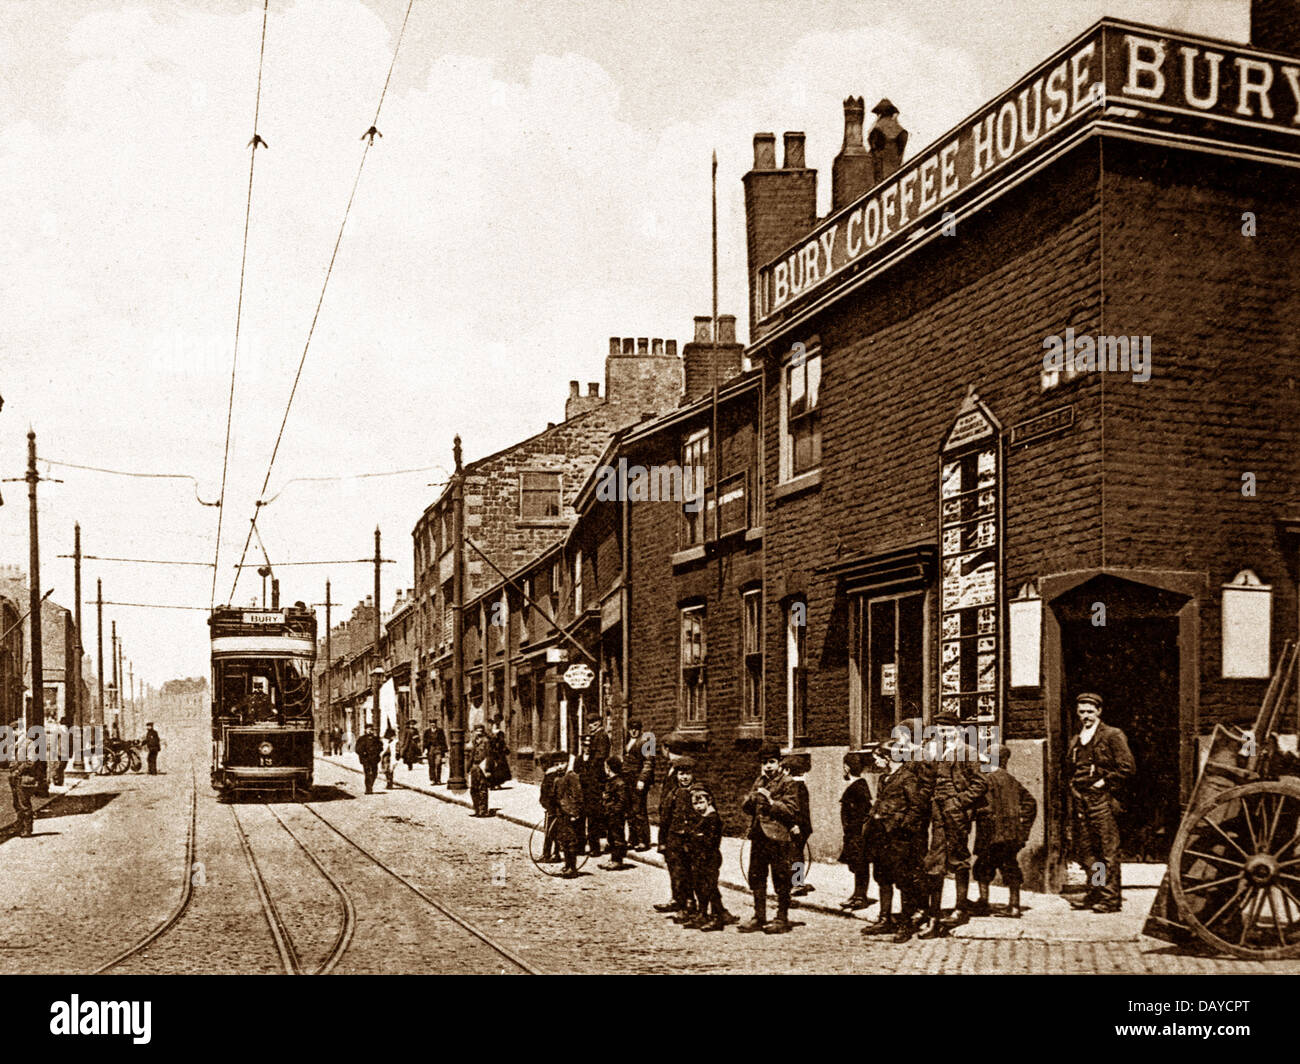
(262, 691)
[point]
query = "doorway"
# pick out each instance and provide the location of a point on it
(1121, 640)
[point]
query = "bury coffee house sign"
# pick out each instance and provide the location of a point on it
(1117, 78)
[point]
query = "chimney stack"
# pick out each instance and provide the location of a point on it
(888, 140)
(593, 390)
(641, 373)
(699, 355)
(573, 389)
(780, 205)
(851, 173)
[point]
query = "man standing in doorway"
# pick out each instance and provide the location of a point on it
(152, 744)
(1097, 764)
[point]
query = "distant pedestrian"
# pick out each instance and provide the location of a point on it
(478, 787)
(773, 808)
(1098, 763)
(706, 863)
(568, 794)
(616, 798)
(855, 810)
(22, 781)
(1001, 830)
(152, 743)
(387, 763)
(324, 741)
(639, 771)
(435, 749)
(338, 741)
(368, 750)
(480, 748)
(410, 752)
(500, 748)
(592, 773)
(797, 766)
(60, 751)
(553, 767)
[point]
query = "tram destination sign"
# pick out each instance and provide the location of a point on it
(1189, 90)
(264, 617)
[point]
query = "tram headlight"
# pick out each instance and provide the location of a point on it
(265, 749)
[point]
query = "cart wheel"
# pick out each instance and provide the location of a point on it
(1235, 871)
(118, 763)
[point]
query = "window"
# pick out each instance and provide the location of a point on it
(801, 442)
(886, 656)
(693, 653)
(796, 671)
(751, 618)
(695, 478)
(539, 495)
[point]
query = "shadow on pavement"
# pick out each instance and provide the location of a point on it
(76, 804)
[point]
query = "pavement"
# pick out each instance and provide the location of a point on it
(1046, 917)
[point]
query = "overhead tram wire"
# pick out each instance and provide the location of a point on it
(239, 304)
(140, 476)
(369, 137)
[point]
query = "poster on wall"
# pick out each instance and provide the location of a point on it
(970, 547)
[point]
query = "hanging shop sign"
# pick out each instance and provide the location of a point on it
(579, 676)
(971, 632)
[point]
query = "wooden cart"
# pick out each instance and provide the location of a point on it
(1233, 879)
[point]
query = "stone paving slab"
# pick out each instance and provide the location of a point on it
(1047, 917)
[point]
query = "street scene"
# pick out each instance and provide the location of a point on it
(664, 491)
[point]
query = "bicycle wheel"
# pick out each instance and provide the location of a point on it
(118, 762)
(133, 760)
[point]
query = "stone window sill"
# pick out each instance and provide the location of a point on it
(797, 485)
(685, 557)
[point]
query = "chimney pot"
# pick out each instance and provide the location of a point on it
(853, 171)
(573, 389)
(703, 329)
(670, 348)
(726, 328)
(593, 390)
(794, 151)
(657, 347)
(629, 346)
(615, 346)
(764, 151)
(642, 346)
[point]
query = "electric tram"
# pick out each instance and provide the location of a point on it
(262, 664)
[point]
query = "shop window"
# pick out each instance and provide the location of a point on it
(693, 686)
(887, 657)
(796, 670)
(695, 479)
(751, 615)
(539, 496)
(801, 423)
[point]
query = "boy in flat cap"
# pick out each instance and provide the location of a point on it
(674, 836)
(1097, 764)
(958, 788)
(553, 768)
(773, 808)
(855, 808)
(1001, 830)
(706, 863)
(796, 767)
(568, 796)
(616, 799)
(894, 839)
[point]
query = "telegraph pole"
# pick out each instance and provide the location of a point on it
(99, 618)
(134, 706)
(456, 772)
(78, 711)
(117, 686)
(36, 719)
(329, 658)
(376, 673)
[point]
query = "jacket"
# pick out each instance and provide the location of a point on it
(152, 742)
(1110, 759)
(1007, 814)
(600, 746)
(568, 793)
(804, 820)
(901, 803)
(616, 799)
(368, 748)
(674, 812)
(547, 794)
(480, 749)
(592, 774)
(435, 740)
(636, 765)
(705, 841)
(958, 779)
(774, 814)
(855, 808)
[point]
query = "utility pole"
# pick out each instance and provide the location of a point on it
(78, 711)
(329, 658)
(36, 719)
(99, 619)
(117, 686)
(134, 706)
(376, 673)
(456, 772)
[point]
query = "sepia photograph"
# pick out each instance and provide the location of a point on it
(581, 487)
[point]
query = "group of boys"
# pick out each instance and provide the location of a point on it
(917, 829)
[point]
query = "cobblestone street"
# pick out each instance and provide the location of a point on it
(353, 883)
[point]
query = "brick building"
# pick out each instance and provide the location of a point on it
(958, 518)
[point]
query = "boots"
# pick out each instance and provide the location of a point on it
(1013, 906)
(759, 920)
(961, 913)
(981, 907)
(781, 924)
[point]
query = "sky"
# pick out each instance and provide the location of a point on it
(541, 184)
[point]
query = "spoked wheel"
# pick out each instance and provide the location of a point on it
(118, 762)
(133, 760)
(804, 855)
(535, 842)
(1235, 871)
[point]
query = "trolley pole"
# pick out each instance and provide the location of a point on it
(99, 619)
(456, 771)
(78, 711)
(376, 673)
(36, 718)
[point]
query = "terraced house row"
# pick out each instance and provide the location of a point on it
(910, 503)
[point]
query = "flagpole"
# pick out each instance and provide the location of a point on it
(715, 443)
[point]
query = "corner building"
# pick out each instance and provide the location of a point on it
(957, 519)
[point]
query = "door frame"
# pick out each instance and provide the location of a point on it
(1190, 584)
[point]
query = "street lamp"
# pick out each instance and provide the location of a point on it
(376, 681)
